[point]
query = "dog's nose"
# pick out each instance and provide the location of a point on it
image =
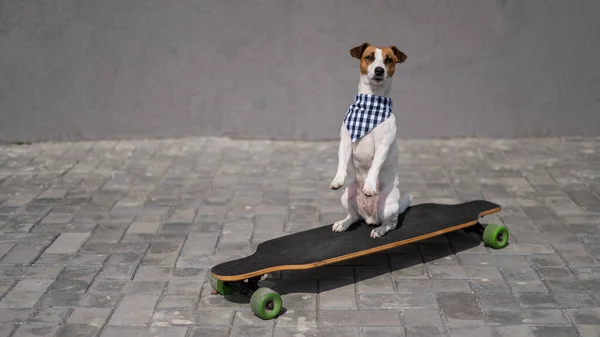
(379, 71)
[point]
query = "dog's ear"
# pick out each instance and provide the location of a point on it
(400, 55)
(357, 51)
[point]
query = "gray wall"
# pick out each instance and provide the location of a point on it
(89, 69)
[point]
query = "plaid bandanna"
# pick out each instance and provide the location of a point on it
(366, 113)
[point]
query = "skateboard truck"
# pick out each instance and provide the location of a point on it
(264, 302)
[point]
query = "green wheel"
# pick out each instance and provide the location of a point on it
(222, 287)
(265, 303)
(495, 236)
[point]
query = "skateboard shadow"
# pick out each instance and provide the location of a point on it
(413, 262)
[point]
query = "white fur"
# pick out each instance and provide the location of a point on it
(371, 164)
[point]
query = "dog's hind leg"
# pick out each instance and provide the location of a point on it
(349, 203)
(390, 208)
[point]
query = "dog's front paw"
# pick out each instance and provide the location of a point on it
(337, 182)
(340, 226)
(378, 232)
(370, 188)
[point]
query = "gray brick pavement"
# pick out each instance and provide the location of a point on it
(116, 238)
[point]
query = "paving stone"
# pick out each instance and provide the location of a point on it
(5, 248)
(26, 293)
(115, 248)
(555, 273)
(40, 272)
(581, 259)
(584, 316)
(31, 330)
(575, 301)
(359, 317)
(134, 310)
(121, 266)
(456, 272)
(178, 301)
(407, 266)
(216, 331)
(431, 285)
(374, 279)
(91, 316)
(566, 285)
(23, 254)
(248, 331)
(67, 243)
(546, 238)
(479, 260)
(589, 330)
(162, 254)
(144, 287)
(537, 300)
(525, 316)
(423, 322)
(197, 245)
(472, 331)
(6, 284)
(78, 330)
(382, 331)
(546, 260)
(108, 233)
(586, 272)
(144, 225)
(305, 319)
(460, 308)
(75, 279)
(48, 315)
(106, 287)
(117, 331)
(482, 272)
(523, 279)
(494, 293)
(557, 331)
(184, 287)
(393, 301)
(190, 317)
(337, 294)
(247, 319)
(316, 331)
(14, 315)
(73, 259)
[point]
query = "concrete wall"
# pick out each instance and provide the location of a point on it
(86, 69)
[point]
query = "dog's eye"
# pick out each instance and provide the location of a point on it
(388, 60)
(369, 58)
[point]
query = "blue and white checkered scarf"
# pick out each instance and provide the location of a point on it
(366, 113)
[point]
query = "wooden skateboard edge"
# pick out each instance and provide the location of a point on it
(261, 272)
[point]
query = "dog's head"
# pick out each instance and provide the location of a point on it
(377, 64)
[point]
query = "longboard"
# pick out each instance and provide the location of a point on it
(321, 246)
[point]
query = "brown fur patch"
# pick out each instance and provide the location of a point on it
(366, 53)
(367, 58)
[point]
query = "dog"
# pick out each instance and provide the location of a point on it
(369, 157)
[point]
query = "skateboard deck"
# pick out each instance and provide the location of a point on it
(321, 246)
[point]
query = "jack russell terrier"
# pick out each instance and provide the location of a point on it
(368, 138)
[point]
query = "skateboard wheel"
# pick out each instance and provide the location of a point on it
(221, 286)
(495, 236)
(265, 303)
